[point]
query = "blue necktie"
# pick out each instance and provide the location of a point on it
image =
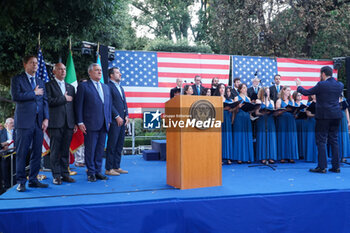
(99, 90)
(278, 88)
(32, 82)
(198, 90)
(256, 90)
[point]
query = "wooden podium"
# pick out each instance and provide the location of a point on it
(193, 155)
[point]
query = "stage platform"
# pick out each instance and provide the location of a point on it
(257, 199)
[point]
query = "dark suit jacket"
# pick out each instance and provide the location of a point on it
(60, 110)
(251, 93)
(327, 95)
(234, 93)
(119, 106)
(27, 103)
(89, 108)
(273, 93)
(195, 92)
(173, 90)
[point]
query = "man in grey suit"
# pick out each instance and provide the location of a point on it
(61, 108)
(117, 129)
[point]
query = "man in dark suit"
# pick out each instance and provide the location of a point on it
(120, 119)
(253, 90)
(93, 115)
(328, 117)
(177, 89)
(214, 84)
(276, 88)
(31, 119)
(7, 137)
(61, 109)
(197, 87)
(236, 83)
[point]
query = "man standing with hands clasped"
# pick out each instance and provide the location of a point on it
(31, 119)
(61, 108)
(120, 119)
(93, 113)
(328, 116)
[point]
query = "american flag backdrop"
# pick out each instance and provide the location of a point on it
(147, 77)
(247, 67)
(41, 73)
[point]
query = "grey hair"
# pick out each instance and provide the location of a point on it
(8, 119)
(91, 66)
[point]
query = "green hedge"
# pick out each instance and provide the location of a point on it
(140, 141)
(180, 46)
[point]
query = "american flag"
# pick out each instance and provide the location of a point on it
(247, 68)
(147, 77)
(308, 71)
(41, 73)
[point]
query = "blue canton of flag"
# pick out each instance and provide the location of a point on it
(41, 73)
(246, 68)
(139, 69)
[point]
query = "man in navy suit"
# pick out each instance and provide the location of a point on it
(236, 83)
(276, 88)
(254, 89)
(61, 109)
(93, 115)
(31, 119)
(120, 119)
(197, 87)
(328, 117)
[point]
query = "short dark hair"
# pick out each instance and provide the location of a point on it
(327, 70)
(236, 79)
(186, 88)
(276, 76)
(111, 70)
(26, 58)
(197, 76)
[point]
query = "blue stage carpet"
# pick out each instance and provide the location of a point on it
(257, 199)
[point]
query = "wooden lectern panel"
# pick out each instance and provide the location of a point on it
(193, 155)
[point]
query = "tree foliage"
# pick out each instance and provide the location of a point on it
(294, 28)
(179, 46)
(104, 21)
(165, 18)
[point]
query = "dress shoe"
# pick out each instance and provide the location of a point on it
(57, 181)
(92, 178)
(99, 176)
(21, 188)
(318, 170)
(291, 161)
(80, 164)
(37, 184)
(335, 170)
(121, 171)
(112, 172)
(68, 179)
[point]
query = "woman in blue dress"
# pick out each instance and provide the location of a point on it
(343, 137)
(242, 130)
(287, 141)
(310, 139)
(226, 128)
(301, 123)
(266, 146)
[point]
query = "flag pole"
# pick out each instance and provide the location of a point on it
(70, 43)
(39, 39)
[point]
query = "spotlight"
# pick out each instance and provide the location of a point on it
(338, 62)
(87, 47)
(111, 53)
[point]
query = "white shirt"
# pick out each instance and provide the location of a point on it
(62, 85)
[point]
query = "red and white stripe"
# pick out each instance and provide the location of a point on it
(170, 67)
(308, 71)
(45, 149)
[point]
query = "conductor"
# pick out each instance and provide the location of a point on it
(328, 116)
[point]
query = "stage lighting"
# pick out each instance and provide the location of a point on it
(87, 47)
(338, 62)
(111, 53)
